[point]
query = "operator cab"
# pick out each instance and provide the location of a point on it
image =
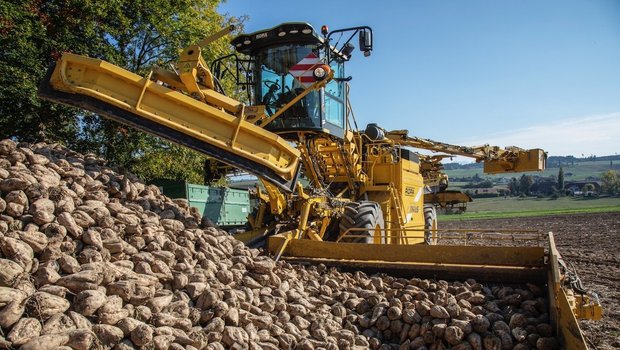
(283, 59)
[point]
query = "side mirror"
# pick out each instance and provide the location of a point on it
(365, 41)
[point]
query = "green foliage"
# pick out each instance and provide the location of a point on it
(588, 188)
(610, 182)
(525, 183)
(482, 184)
(32, 34)
(561, 179)
(170, 162)
(513, 186)
(132, 34)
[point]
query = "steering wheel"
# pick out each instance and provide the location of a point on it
(270, 84)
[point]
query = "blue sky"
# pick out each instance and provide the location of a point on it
(526, 73)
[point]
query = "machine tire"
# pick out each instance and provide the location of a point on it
(367, 215)
(430, 223)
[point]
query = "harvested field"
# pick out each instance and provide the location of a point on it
(592, 243)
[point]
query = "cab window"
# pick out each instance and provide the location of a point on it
(278, 87)
(334, 97)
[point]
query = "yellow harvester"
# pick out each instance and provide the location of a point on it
(363, 202)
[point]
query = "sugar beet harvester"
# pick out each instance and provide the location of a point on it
(331, 193)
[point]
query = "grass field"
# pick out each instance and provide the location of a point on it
(579, 171)
(482, 208)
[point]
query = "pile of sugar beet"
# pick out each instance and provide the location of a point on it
(94, 259)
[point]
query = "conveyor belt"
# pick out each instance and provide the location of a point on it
(132, 100)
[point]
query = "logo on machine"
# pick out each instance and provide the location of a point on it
(409, 191)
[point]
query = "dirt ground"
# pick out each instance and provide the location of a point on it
(591, 242)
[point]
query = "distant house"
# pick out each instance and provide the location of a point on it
(575, 187)
(580, 184)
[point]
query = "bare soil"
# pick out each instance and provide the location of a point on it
(591, 242)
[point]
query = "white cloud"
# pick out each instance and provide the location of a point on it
(598, 135)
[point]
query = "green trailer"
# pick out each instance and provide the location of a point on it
(226, 207)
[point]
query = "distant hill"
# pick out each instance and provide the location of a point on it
(575, 169)
(557, 161)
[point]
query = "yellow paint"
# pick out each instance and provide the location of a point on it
(362, 169)
(123, 89)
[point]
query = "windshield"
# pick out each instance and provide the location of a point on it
(278, 87)
(334, 97)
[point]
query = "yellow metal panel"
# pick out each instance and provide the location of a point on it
(570, 333)
(250, 235)
(586, 307)
(560, 311)
(122, 89)
(527, 160)
(466, 255)
(212, 97)
(447, 198)
(219, 100)
(566, 325)
(411, 190)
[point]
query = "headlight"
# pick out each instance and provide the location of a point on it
(321, 72)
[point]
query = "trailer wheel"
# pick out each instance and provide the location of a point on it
(430, 224)
(368, 217)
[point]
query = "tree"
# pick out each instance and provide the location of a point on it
(610, 184)
(486, 184)
(587, 188)
(561, 179)
(525, 183)
(513, 186)
(32, 34)
(132, 34)
(482, 184)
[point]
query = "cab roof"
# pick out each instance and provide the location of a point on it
(285, 33)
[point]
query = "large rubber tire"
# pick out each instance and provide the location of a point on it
(366, 215)
(430, 224)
